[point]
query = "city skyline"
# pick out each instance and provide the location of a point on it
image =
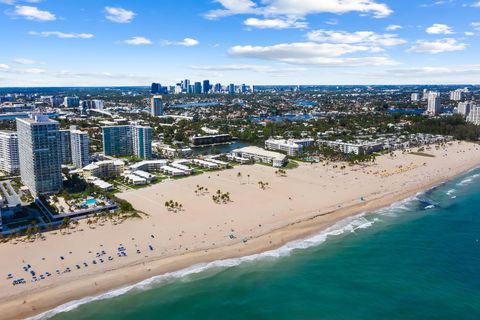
(122, 43)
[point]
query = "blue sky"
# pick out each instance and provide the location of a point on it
(125, 42)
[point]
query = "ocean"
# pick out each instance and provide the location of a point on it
(417, 259)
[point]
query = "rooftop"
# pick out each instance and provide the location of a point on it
(260, 152)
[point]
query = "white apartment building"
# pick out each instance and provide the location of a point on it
(474, 115)
(104, 169)
(357, 148)
(457, 95)
(464, 108)
(258, 154)
(292, 147)
(434, 103)
(9, 158)
(415, 97)
(79, 146)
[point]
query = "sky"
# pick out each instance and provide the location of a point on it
(304, 42)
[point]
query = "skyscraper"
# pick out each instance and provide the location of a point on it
(79, 145)
(155, 88)
(464, 108)
(415, 97)
(197, 88)
(127, 140)
(40, 162)
(457, 95)
(218, 88)
(71, 102)
(186, 85)
(156, 106)
(206, 86)
(65, 147)
(231, 88)
(434, 103)
(9, 162)
(117, 140)
(142, 142)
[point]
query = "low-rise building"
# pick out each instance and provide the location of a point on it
(210, 139)
(258, 154)
(358, 147)
(104, 169)
(148, 165)
(293, 147)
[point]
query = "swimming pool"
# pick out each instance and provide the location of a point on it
(89, 202)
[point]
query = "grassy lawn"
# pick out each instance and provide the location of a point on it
(291, 165)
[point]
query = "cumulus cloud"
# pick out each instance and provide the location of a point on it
(295, 8)
(358, 37)
(4, 66)
(438, 46)
(439, 28)
(187, 42)
(138, 41)
(275, 23)
(311, 53)
(33, 13)
(119, 15)
(393, 27)
(62, 35)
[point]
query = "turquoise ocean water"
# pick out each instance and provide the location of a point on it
(418, 259)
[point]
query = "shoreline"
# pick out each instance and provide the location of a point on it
(293, 232)
(87, 287)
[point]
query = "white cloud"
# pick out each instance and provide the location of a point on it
(439, 28)
(24, 61)
(231, 7)
(187, 42)
(470, 34)
(311, 53)
(393, 27)
(438, 46)
(476, 26)
(62, 35)
(32, 71)
(295, 8)
(11, 2)
(119, 15)
(248, 68)
(476, 4)
(4, 66)
(331, 22)
(138, 41)
(275, 23)
(358, 37)
(33, 13)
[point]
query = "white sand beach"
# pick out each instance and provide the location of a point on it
(308, 199)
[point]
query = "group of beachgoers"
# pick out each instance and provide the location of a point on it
(101, 257)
